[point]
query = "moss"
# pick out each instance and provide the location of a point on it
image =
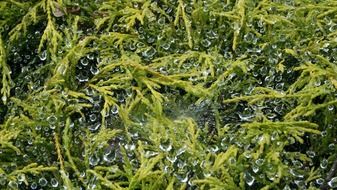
(166, 94)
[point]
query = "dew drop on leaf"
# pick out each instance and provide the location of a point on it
(13, 185)
(91, 56)
(330, 107)
(206, 43)
(149, 52)
(43, 55)
(331, 146)
(149, 154)
(94, 70)
(165, 146)
(333, 182)
(94, 160)
(21, 177)
(43, 181)
(319, 181)
(94, 127)
(295, 173)
(249, 179)
(255, 168)
(311, 154)
(52, 120)
(33, 186)
(286, 187)
(84, 62)
(182, 176)
(92, 117)
(54, 182)
(109, 156)
(259, 162)
(324, 163)
(4, 98)
(172, 159)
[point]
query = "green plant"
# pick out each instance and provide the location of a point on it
(168, 94)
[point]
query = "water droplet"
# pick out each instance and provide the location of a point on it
(331, 146)
(52, 119)
(161, 21)
(297, 163)
(150, 39)
(182, 176)
(149, 154)
(211, 35)
(54, 182)
(259, 162)
(172, 159)
(295, 173)
(279, 86)
(324, 163)
(84, 62)
(33, 186)
(163, 70)
(246, 115)
(13, 185)
(165, 146)
(247, 154)
(320, 181)
(271, 116)
(331, 107)
(181, 150)
(149, 52)
(94, 127)
(333, 182)
(311, 154)
(43, 55)
(130, 147)
(91, 186)
(318, 83)
(250, 38)
(21, 177)
(249, 179)
(109, 156)
(94, 160)
(114, 110)
(214, 149)
(255, 168)
(323, 133)
(82, 174)
(94, 70)
(166, 46)
(82, 77)
(207, 173)
(140, 45)
(232, 160)
(92, 117)
(132, 46)
(91, 56)
(43, 182)
(4, 98)
(286, 187)
(206, 43)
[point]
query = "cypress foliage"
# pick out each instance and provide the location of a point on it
(168, 94)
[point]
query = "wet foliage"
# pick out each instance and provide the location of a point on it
(168, 94)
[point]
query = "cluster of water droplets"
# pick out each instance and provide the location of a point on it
(87, 67)
(35, 182)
